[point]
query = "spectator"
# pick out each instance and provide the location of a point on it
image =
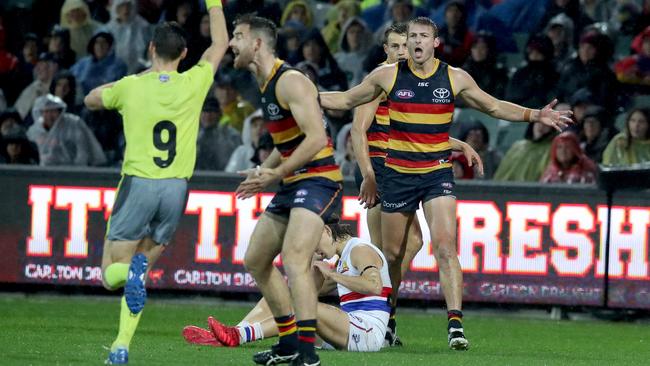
(598, 11)
(314, 49)
(568, 163)
(100, 66)
(477, 136)
(455, 37)
(483, 67)
(635, 69)
(289, 43)
(197, 44)
(8, 62)
(59, 46)
(580, 101)
(560, 30)
(266, 9)
(64, 86)
(533, 84)
(253, 128)
(627, 18)
(44, 72)
(10, 123)
(354, 43)
(62, 138)
(263, 149)
(633, 145)
(597, 132)
(526, 160)
(344, 155)
(297, 11)
(24, 76)
(336, 17)
(216, 142)
(185, 13)
(16, 149)
(396, 11)
(460, 166)
(570, 8)
(589, 69)
(233, 107)
(132, 33)
(75, 17)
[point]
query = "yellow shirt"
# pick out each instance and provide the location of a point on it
(161, 112)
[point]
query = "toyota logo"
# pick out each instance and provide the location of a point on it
(273, 109)
(441, 93)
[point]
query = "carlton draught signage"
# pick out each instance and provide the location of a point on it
(520, 244)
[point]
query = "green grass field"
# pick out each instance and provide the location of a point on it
(47, 330)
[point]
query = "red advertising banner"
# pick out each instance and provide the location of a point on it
(516, 244)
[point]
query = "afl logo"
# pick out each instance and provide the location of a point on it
(441, 93)
(273, 109)
(405, 94)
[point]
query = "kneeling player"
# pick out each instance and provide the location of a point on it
(363, 285)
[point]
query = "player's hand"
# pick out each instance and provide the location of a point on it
(473, 158)
(368, 191)
(323, 268)
(559, 120)
(251, 185)
(256, 181)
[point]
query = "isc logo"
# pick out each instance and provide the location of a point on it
(423, 83)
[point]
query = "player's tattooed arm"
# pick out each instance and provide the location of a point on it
(473, 158)
(364, 115)
(378, 81)
(466, 88)
(364, 259)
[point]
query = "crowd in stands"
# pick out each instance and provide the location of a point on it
(593, 55)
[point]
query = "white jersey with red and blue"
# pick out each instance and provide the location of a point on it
(376, 306)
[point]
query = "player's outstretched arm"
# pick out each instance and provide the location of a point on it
(378, 81)
(368, 262)
(218, 34)
(364, 115)
(476, 98)
(472, 156)
(93, 101)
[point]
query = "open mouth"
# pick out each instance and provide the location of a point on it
(418, 52)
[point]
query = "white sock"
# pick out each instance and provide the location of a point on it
(250, 333)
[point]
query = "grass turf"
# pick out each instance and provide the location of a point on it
(47, 330)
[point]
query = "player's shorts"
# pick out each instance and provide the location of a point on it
(366, 332)
(319, 195)
(404, 192)
(378, 167)
(147, 207)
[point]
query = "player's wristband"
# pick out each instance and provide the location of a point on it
(527, 113)
(212, 3)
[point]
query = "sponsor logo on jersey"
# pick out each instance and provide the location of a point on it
(405, 94)
(273, 109)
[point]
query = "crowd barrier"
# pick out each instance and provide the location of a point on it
(517, 243)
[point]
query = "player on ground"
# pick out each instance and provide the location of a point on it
(421, 93)
(310, 191)
(363, 285)
(370, 129)
(161, 110)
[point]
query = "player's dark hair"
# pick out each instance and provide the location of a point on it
(169, 39)
(261, 26)
(425, 21)
(339, 230)
(398, 28)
